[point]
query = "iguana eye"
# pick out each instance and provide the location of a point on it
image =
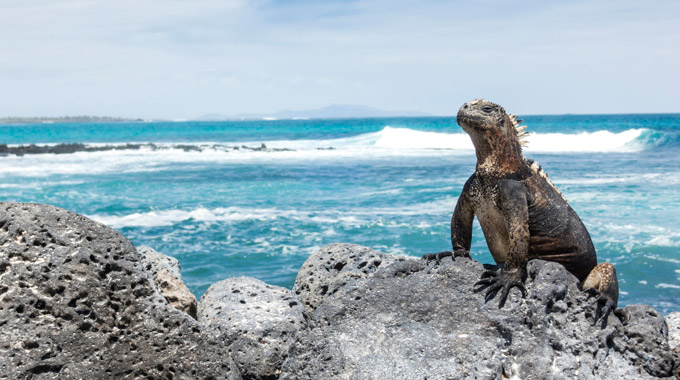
(487, 109)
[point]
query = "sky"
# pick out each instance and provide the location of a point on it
(174, 59)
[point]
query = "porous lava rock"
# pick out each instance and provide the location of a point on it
(332, 266)
(414, 320)
(673, 320)
(258, 321)
(165, 271)
(75, 303)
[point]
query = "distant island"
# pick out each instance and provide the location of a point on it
(333, 111)
(64, 119)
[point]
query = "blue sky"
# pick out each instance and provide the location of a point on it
(182, 59)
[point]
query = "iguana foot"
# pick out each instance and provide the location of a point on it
(440, 255)
(605, 306)
(622, 315)
(500, 281)
(603, 284)
(437, 256)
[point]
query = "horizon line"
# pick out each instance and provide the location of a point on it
(122, 119)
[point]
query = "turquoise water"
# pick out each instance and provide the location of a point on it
(204, 194)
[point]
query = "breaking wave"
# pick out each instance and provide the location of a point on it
(161, 218)
(92, 158)
(389, 139)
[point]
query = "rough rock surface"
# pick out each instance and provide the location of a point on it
(417, 320)
(76, 304)
(673, 320)
(332, 266)
(259, 322)
(165, 271)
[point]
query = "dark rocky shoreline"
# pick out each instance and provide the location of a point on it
(22, 150)
(79, 301)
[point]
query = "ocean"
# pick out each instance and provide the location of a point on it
(256, 198)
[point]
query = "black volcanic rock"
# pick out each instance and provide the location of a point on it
(257, 320)
(409, 319)
(22, 150)
(78, 301)
(332, 267)
(75, 303)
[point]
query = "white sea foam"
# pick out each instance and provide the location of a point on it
(627, 237)
(633, 228)
(667, 286)
(599, 141)
(389, 142)
(38, 184)
(668, 178)
(665, 241)
(382, 192)
(161, 218)
(404, 138)
(589, 181)
(663, 259)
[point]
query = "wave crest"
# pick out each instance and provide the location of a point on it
(388, 140)
(598, 141)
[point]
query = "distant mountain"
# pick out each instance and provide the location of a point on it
(334, 111)
(214, 117)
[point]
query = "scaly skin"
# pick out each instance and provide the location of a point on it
(522, 214)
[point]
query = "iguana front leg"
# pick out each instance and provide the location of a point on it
(461, 229)
(512, 203)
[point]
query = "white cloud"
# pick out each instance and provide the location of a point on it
(181, 59)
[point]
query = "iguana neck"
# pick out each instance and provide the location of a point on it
(498, 157)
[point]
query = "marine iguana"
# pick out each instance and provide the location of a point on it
(522, 214)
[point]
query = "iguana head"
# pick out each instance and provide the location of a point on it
(497, 136)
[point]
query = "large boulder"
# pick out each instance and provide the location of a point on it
(332, 267)
(165, 272)
(75, 303)
(258, 322)
(413, 320)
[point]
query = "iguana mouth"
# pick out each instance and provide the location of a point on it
(475, 119)
(468, 117)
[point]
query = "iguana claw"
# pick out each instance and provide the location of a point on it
(500, 281)
(440, 255)
(605, 305)
(437, 256)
